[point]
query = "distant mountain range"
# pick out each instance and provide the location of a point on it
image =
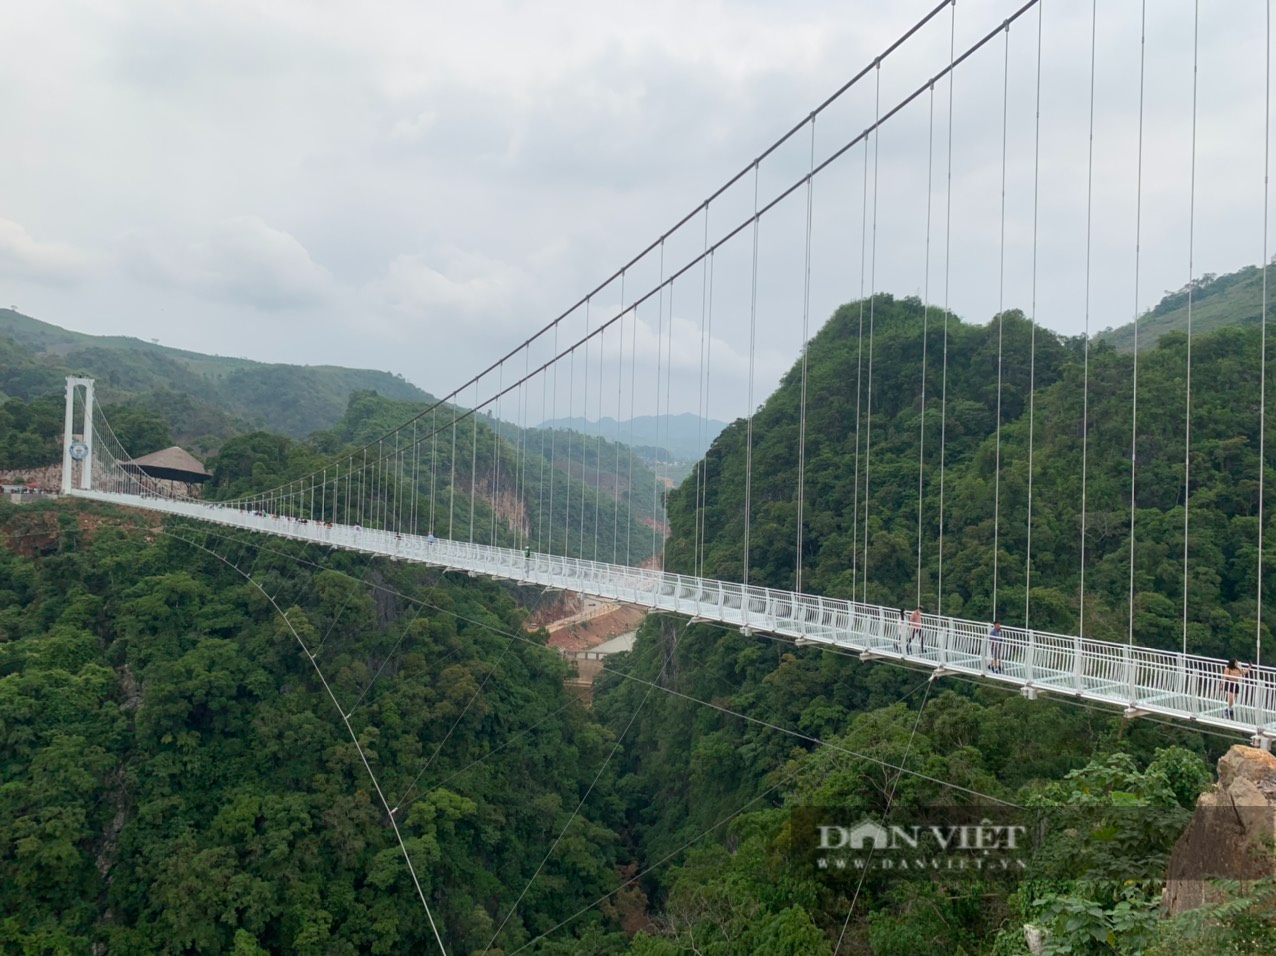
(295, 400)
(674, 438)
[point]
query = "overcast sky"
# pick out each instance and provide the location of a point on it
(418, 186)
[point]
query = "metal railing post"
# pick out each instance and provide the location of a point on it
(1189, 702)
(1076, 663)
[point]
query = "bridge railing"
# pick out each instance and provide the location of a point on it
(1140, 678)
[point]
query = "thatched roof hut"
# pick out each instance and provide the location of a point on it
(171, 464)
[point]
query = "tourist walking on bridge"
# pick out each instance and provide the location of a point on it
(917, 631)
(1232, 675)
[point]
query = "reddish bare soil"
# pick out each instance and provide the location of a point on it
(553, 607)
(32, 532)
(581, 635)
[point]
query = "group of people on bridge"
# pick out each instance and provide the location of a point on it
(1200, 679)
(911, 627)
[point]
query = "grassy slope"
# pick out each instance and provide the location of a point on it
(292, 399)
(1217, 302)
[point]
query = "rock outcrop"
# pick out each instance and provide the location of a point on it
(46, 476)
(1231, 834)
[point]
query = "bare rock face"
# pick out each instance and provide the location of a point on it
(1231, 834)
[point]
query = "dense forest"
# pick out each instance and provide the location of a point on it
(185, 713)
(861, 534)
(739, 724)
(174, 781)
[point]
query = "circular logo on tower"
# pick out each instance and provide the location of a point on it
(79, 450)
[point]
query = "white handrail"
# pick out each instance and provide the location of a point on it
(1184, 686)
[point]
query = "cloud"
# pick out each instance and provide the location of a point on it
(415, 129)
(53, 263)
(457, 175)
(450, 281)
(242, 261)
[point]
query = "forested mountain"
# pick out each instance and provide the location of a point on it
(294, 400)
(612, 494)
(756, 740)
(175, 779)
(603, 497)
(512, 488)
(1218, 301)
(1223, 502)
(752, 745)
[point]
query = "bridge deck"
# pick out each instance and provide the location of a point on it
(1183, 686)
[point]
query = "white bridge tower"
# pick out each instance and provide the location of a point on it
(78, 448)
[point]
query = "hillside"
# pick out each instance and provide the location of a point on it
(154, 396)
(557, 492)
(1218, 301)
(176, 779)
(1099, 874)
(294, 400)
(1224, 468)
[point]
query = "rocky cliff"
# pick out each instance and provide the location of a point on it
(1231, 834)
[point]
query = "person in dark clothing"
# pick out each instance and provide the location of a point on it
(1232, 676)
